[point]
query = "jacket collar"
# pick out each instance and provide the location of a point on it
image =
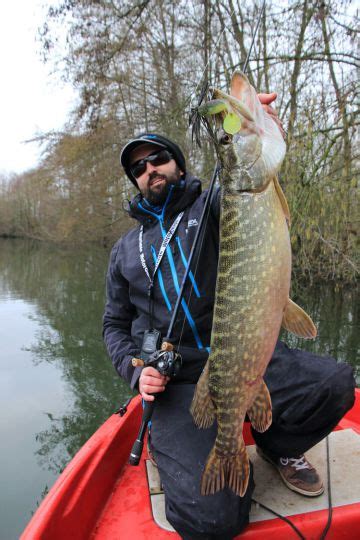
(181, 197)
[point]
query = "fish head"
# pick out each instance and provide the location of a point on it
(248, 141)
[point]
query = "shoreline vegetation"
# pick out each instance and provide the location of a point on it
(138, 66)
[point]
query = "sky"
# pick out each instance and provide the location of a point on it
(32, 99)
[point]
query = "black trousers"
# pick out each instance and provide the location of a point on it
(310, 394)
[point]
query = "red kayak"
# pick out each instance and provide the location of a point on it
(99, 496)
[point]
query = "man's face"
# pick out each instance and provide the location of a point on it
(155, 182)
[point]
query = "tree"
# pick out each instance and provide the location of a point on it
(139, 65)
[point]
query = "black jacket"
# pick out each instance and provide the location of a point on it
(127, 308)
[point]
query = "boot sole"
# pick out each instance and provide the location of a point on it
(286, 482)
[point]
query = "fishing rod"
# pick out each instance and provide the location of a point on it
(246, 63)
(166, 360)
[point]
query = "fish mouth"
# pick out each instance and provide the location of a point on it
(233, 111)
(250, 191)
(255, 190)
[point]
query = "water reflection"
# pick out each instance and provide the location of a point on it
(336, 313)
(67, 288)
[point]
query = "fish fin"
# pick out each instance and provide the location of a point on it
(239, 82)
(282, 199)
(298, 322)
(202, 407)
(222, 471)
(260, 413)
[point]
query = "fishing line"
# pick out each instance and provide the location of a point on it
(330, 507)
(245, 66)
(253, 37)
(300, 535)
(217, 42)
(209, 60)
(199, 248)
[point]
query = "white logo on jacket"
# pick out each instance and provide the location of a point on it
(193, 222)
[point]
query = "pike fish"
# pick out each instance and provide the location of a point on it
(252, 290)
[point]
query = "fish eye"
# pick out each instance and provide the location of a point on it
(225, 139)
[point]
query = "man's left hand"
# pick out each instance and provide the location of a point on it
(265, 100)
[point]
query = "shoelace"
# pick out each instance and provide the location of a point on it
(298, 463)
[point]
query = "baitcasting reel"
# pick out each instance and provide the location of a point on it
(167, 363)
(165, 360)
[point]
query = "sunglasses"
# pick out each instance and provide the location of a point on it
(158, 158)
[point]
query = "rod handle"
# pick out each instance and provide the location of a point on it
(136, 451)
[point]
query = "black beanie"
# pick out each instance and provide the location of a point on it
(154, 139)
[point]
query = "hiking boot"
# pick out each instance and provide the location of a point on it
(297, 474)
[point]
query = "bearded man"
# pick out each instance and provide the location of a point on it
(310, 394)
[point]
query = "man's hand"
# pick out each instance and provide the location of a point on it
(265, 100)
(151, 382)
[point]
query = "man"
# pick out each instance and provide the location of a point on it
(309, 394)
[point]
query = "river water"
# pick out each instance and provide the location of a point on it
(56, 383)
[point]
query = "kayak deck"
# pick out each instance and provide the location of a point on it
(100, 497)
(308, 514)
(344, 446)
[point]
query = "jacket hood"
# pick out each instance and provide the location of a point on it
(181, 197)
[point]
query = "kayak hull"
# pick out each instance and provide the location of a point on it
(100, 496)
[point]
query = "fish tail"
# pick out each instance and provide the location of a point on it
(215, 474)
(220, 471)
(239, 471)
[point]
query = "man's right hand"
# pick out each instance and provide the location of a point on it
(151, 382)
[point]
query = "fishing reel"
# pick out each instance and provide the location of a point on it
(167, 362)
